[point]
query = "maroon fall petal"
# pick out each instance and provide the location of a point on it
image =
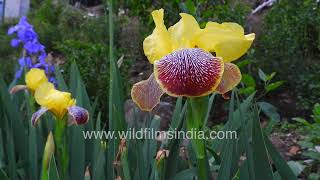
(78, 115)
(189, 72)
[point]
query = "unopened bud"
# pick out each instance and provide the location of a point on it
(161, 154)
(48, 151)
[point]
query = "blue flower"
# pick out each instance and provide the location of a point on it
(24, 62)
(23, 24)
(33, 47)
(52, 80)
(35, 56)
(42, 57)
(27, 35)
(18, 73)
(15, 42)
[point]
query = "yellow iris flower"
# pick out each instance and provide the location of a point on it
(59, 103)
(46, 95)
(55, 101)
(50, 99)
(183, 59)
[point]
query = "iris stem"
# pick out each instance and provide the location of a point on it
(196, 112)
(61, 144)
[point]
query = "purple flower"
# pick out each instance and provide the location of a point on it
(12, 30)
(18, 73)
(25, 62)
(52, 69)
(15, 42)
(27, 35)
(33, 47)
(52, 79)
(23, 24)
(42, 57)
(29, 39)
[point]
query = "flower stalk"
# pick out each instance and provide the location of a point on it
(61, 144)
(196, 113)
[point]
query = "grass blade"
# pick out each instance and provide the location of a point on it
(280, 164)
(53, 171)
(261, 161)
(3, 175)
(116, 111)
(186, 174)
(77, 145)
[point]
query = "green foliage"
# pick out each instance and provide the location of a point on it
(56, 23)
(23, 144)
(222, 155)
(226, 11)
(310, 129)
(7, 53)
(290, 40)
(79, 38)
(45, 20)
(249, 84)
(203, 10)
(91, 59)
(309, 143)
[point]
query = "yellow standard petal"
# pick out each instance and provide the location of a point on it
(56, 101)
(231, 78)
(158, 44)
(183, 33)
(227, 40)
(34, 78)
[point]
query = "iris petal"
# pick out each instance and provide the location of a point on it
(189, 72)
(15, 42)
(36, 116)
(12, 30)
(17, 88)
(158, 44)
(230, 79)
(234, 48)
(34, 78)
(227, 40)
(42, 92)
(56, 101)
(184, 32)
(18, 73)
(146, 94)
(78, 115)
